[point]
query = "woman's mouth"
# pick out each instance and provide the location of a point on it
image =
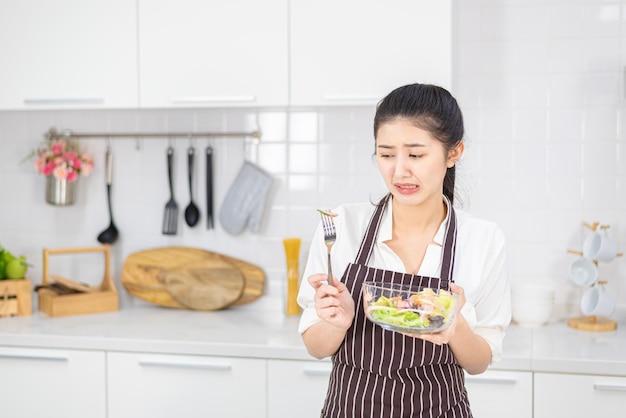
(406, 188)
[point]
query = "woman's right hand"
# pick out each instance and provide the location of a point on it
(333, 303)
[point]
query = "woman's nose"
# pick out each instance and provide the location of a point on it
(402, 167)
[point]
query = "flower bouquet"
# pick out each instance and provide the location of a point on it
(63, 160)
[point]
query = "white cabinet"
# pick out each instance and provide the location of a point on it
(562, 395)
(202, 53)
(147, 385)
(297, 388)
(68, 54)
(497, 394)
(52, 383)
(356, 51)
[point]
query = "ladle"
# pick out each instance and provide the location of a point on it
(109, 235)
(192, 213)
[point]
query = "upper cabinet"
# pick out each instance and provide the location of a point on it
(351, 52)
(200, 53)
(81, 54)
(68, 54)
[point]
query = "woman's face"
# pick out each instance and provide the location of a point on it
(412, 162)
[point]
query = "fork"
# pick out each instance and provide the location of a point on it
(170, 218)
(330, 235)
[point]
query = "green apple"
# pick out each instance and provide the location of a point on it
(16, 268)
(7, 256)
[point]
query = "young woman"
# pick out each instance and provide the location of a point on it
(414, 230)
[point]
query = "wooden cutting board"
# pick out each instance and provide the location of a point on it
(191, 278)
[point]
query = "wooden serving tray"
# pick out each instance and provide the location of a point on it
(191, 278)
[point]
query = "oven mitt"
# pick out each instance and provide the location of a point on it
(245, 200)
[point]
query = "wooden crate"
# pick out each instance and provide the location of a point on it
(16, 297)
(104, 299)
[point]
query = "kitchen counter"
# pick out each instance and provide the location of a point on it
(271, 335)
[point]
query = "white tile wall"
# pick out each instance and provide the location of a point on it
(542, 89)
(541, 86)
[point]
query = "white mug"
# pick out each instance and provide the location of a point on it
(599, 246)
(597, 301)
(583, 272)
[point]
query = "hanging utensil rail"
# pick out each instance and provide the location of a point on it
(53, 134)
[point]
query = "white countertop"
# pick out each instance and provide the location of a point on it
(271, 335)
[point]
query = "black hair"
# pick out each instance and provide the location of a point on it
(431, 108)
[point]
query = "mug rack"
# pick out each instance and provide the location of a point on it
(593, 322)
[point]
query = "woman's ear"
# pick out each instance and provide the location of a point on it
(455, 154)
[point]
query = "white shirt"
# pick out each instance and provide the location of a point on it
(479, 266)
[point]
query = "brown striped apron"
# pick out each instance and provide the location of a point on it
(378, 373)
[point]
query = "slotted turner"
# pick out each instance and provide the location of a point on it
(170, 217)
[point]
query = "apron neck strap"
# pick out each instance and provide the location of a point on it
(449, 242)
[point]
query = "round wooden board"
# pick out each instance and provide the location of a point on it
(191, 278)
(205, 289)
(592, 323)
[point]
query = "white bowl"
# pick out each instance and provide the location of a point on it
(531, 313)
(533, 291)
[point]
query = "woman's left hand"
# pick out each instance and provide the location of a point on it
(444, 336)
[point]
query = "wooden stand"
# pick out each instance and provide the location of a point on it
(15, 297)
(102, 299)
(592, 323)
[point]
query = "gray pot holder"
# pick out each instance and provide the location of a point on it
(245, 201)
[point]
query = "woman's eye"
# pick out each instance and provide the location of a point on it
(385, 155)
(416, 155)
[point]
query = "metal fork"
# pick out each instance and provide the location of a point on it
(330, 235)
(170, 218)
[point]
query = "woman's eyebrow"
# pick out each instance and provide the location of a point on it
(404, 145)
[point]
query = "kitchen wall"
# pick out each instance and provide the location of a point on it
(541, 85)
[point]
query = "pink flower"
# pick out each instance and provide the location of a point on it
(86, 168)
(40, 163)
(72, 176)
(76, 163)
(70, 156)
(58, 147)
(60, 172)
(48, 168)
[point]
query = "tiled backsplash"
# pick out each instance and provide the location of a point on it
(541, 87)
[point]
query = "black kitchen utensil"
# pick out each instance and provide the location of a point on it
(109, 235)
(209, 187)
(170, 217)
(192, 213)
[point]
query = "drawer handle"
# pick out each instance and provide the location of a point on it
(185, 364)
(609, 386)
(351, 97)
(212, 99)
(492, 380)
(316, 372)
(34, 357)
(36, 101)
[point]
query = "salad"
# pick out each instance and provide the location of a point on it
(423, 311)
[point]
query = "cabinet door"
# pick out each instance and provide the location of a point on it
(356, 51)
(52, 383)
(559, 395)
(297, 388)
(68, 54)
(497, 394)
(204, 53)
(146, 385)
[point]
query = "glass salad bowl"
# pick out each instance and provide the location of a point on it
(409, 309)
